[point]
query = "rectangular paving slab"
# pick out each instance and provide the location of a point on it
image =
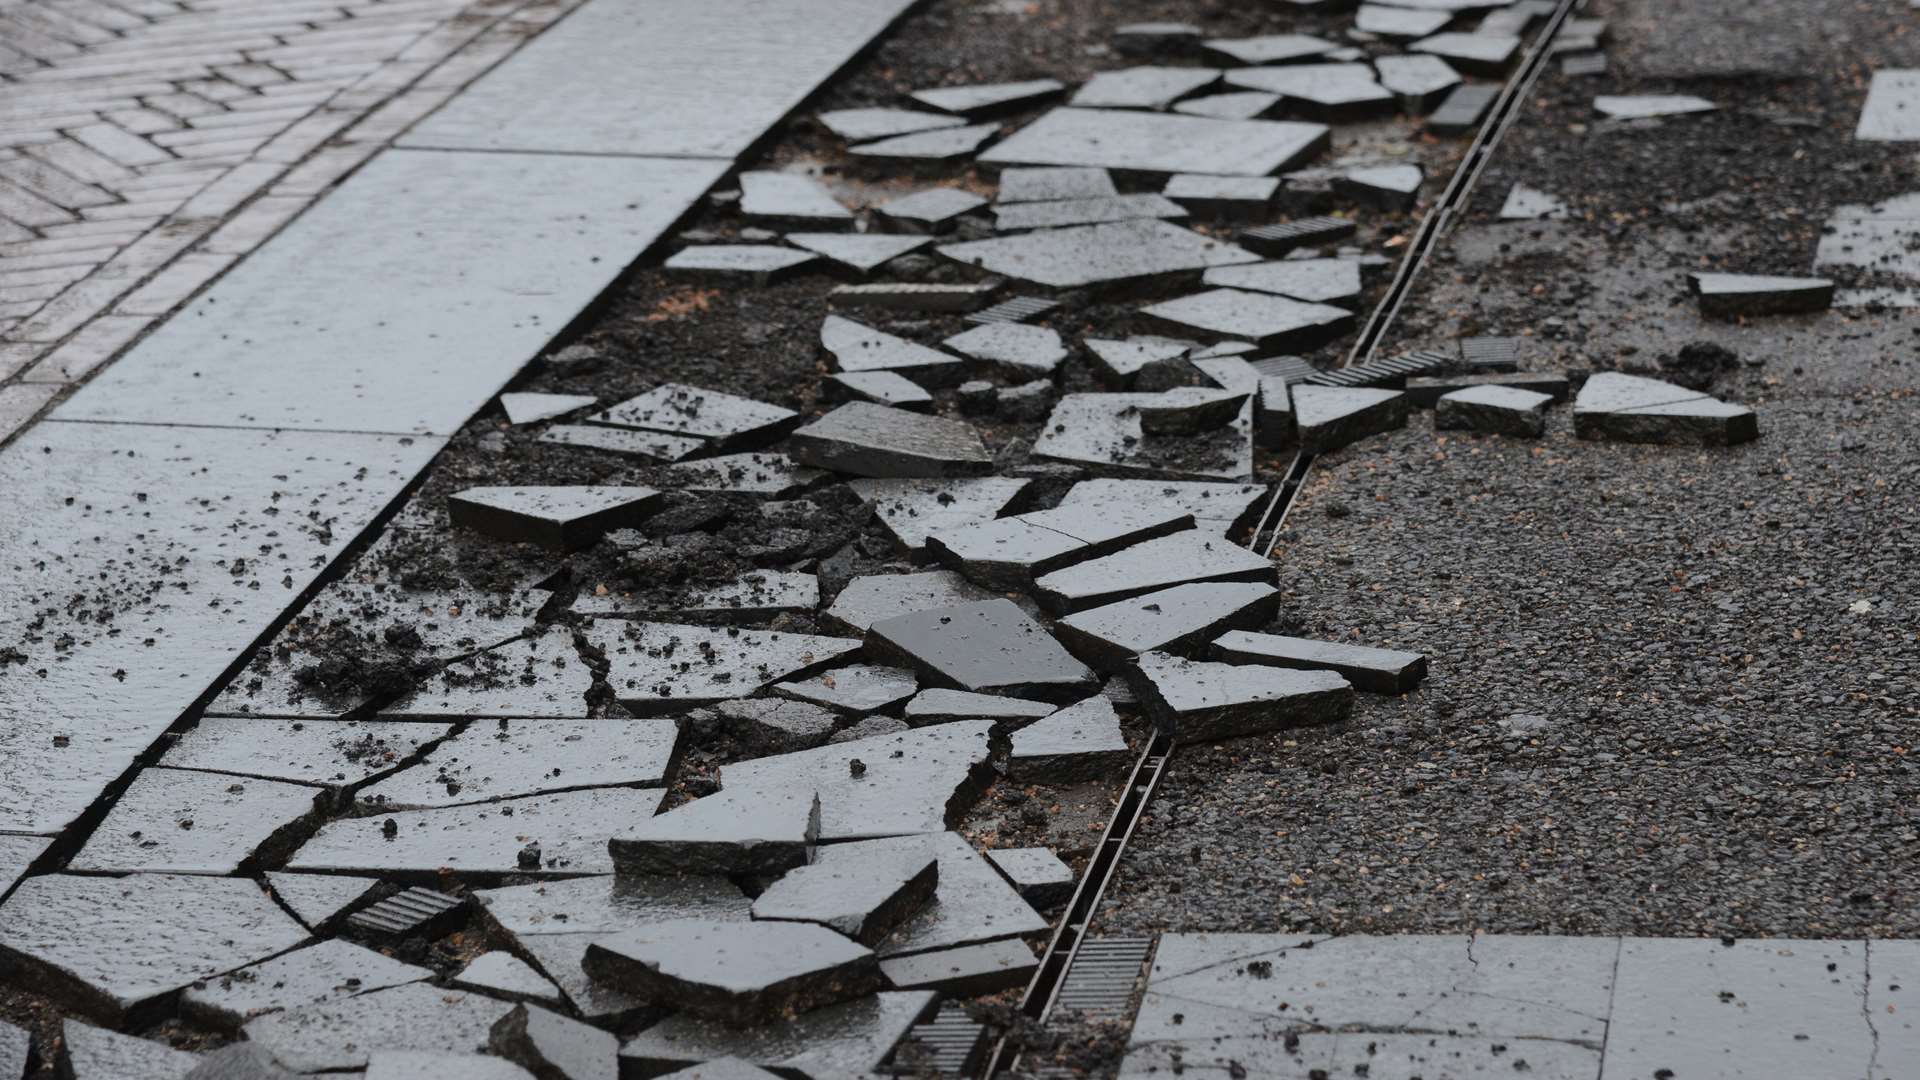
(541, 834)
(1114, 253)
(505, 758)
(1009, 553)
(1145, 567)
(1199, 701)
(1159, 143)
(988, 647)
(1378, 671)
(1079, 743)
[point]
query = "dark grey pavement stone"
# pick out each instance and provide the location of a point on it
(1892, 109)
(1330, 417)
(301, 336)
(555, 1047)
(1236, 105)
(789, 198)
(1424, 391)
(1333, 93)
(660, 668)
(1016, 349)
(1047, 184)
(727, 421)
(748, 831)
(1161, 563)
(1376, 671)
(737, 973)
(981, 101)
(536, 676)
(1042, 879)
(541, 834)
(756, 473)
(652, 444)
(1730, 295)
(1180, 620)
(916, 295)
(870, 727)
(1463, 109)
(941, 145)
(991, 646)
(1319, 281)
(1268, 49)
(860, 125)
(1122, 361)
(1008, 553)
(1418, 82)
(940, 706)
(1159, 143)
(857, 347)
(1496, 410)
(498, 759)
(320, 972)
(1078, 743)
(104, 946)
(1238, 197)
(1146, 87)
(756, 264)
(438, 1065)
(1216, 508)
(557, 518)
(340, 1034)
(1155, 38)
(1191, 410)
(756, 595)
(856, 689)
(864, 896)
(1399, 22)
(177, 821)
(1384, 187)
(972, 902)
(505, 975)
(533, 408)
(860, 252)
(85, 1052)
(1103, 431)
(333, 754)
(932, 210)
(1198, 701)
(913, 782)
(777, 725)
(1058, 213)
(911, 509)
(851, 1039)
(1277, 240)
(966, 971)
(1531, 204)
(1113, 253)
(870, 440)
(1647, 106)
(866, 600)
(1274, 425)
(1476, 54)
(1630, 408)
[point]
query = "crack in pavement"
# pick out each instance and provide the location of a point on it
(1866, 1010)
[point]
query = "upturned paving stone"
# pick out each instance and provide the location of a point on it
(1646, 106)
(661, 668)
(418, 912)
(933, 210)
(1892, 110)
(1274, 425)
(1216, 508)
(1476, 54)
(1425, 391)
(777, 725)
(966, 971)
(1333, 93)
(1020, 350)
(508, 758)
(972, 902)
(1496, 410)
(1052, 184)
(913, 509)
(340, 1034)
(863, 439)
(868, 599)
(863, 897)
(1039, 875)
(914, 782)
(533, 408)
(1464, 109)
(1386, 187)
(727, 421)
(879, 387)
(432, 1065)
(1063, 212)
(850, 1039)
(1417, 82)
(559, 518)
(1180, 620)
(857, 347)
(861, 253)
(1235, 105)
(1199, 701)
(555, 1047)
(1103, 431)
(1191, 410)
(940, 706)
(1399, 22)
(758, 264)
(941, 145)
(334, 754)
(1162, 563)
(1272, 322)
(183, 822)
(1630, 408)
(790, 198)
(1160, 143)
(85, 1052)
(1078, 743)
(1268, 49)
(737, 973)
(536, 676)
(857, 689)
(1121, 361)
(1531, 204)
(1376, 671)
(651, 444)
(1009, 553)
(916, 295)
(1223, 196)
(1730, 295)
(982, 101)
(1319, 281)
(1114, 253)
(320, 972)
(755, 473)
(240, 1061)
(749, 831)
(1142, 87)
(505, 975)
(1330, 417)
(564, 833)
(1276, 240)
(749, 597)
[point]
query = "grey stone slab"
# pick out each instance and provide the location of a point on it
(776, 725)
(756, 595)
(870, 440)
(1199, 701)
(988, 647)
(1019, 350)
(912, 782)
(870, 727)
(1161, 563)
(240, 1061)
(1319, 281)
(864, 896)
(104, 946)
(966, 971)
(789, 198)
(1103, 431)
(1151, 38)
(335, 754)
(727, 421)
(1417, 82)
(913, 509)
(564, 833)
(1394, 188)
(1463, 110)
(1058, 213)
(1039, 875)
(301, 336)
(1630, 408)
(757, 264)
(1191, 410)
(649, 444)
(557, 518)
(1122, 361)
(439, 1065)
(753, 473)
(1378, 671)
(177, 821)
(324, 971)
(1272, 322)
(941, 145)
(1274, 424)
(714, 77)
(1146, 87)
(504, 975)
(1531, 204)
(737, 973)
(1330, 417)
(17, 853)
(1009, 553)
(1114, 253)
(594, 906)
(1335, 93)
(1646, 106)
(1730, 295)
(533, 408)
(86, 1052)
(857, 347)
(944, 297)
(932, 210)
(342, 1033)
(860, 125)
(1078, 743)
(1892, 110)
(868, 599)
(1269, 48)
(851, 1039)
(857, 689)
(509, 758)
(746, 831)
(1476, 54)
(1216, 508)
(940, 706)
(972, 902)
(555, 1047)
(1399, 22)
(1160, 143)
(319, 899)
(991, 99)
(1051, 184)
(1180, 620)
(862, 253)
(536, 676)
(1234, 105)
(659, 668)
(1425, 391)
(1498, 410)
(1223, 196)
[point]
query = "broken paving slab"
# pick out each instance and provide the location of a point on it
(1315, 281)
(861, 125)
(532, 408)
(857, 689)
(870, 598)
(1268, 49)
(863, 439)
(929, 147)
(1122, 361)
(916, 781)
(1331, 93)
(850, 1039)
(933, 210)
(1493, 410)
(555, 1047)
(727, 421)
(1274, 424)
(1399, 22)
(319, 972)
(745, 831)
(1199, 701)
(1160, 143)
(879, 387)
(1060, 213)
(1180, 620)
(858, 347)
(334, 754)
(965, 971)
(758, 264)
(1394, 188)
(736, 973)
(1103, 432)
(541, 675)
(1376, 671)
(1463, 109)
(789, 198)
(1009, 553)
(941, 706)
(972, 901)
(776, 725)
(85, 1052)
(504, 975)
(564, 833)
(1647, 106)
(1419, 83)
(1078, 743)
(861, 253)
(319, 899)
(1237, 105)
(649, 444)
(1114, 253)
(437, 1065)
(1892, 109)
(556, 518)
(912, 509)
(1191, 410)
(501, 759)
(1476, 54)
(1016, 349)
(1050, 184)
(104, 946)
(864, 896)
(987, 647)
(1272, 322)
(1145, 87)
(1216, 508)
(1330, 417)
(1732, 295)
(1146, 567)
(340, 1034)
(176, 821)
(1531, 204)
(753, 473)
(981, 101)
(1424, 392)
(1039, 875)
(661, 668)
(594, 906)
(755, 595)
(1630, 408)
(916, 296)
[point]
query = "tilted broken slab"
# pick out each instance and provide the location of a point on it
(1148, 566)
(880, 387)
(1216, 508)
(1377, 671)
(1197, 701)
(972, 902)
(1318, 281)
(1160, 143)
(940, 706)
(558, 518)
(1049, 183)
(833, 1043)
(1730, 295)
(862, 253)
(917, 781)
(1272, 322)
(870, 440)
(319, 899)
(85, 1052)
(1025, 351)
(505, 975)
(989, 99)
(932, 210)
(1042, 879)
(333, 754)
(1122, 361)
(1330, 417)
(944, 144)
(916, 296)
(777, 725)
(182, 822)
(1393, 188)
(745, 831)
(1399, 22)
(1630, 408)
(1417, 82)
(857, 689)
(860, 125)
(1335, 93)
(1114, 253)
(868, 599)
(760, 264)
(727, 421)
(1268, 48)
(541, 834)
(1145, 87)
(965, 971)
(320, 972)
(659, 668)
(1009, 553)
(341, 1034)
(912, 509)
(1063, 212)
(555, 1047)
(650, 444)
(1103, 432)
(1179, 620)
(1476, 54)
(789, 197)
(1192, 410)
(1500, 410)
(864, 896)
(1239, 105)
(1427, 391)
(991, 646)
(533, 408)
(737, 973)
(1080, 742)
(499, 759)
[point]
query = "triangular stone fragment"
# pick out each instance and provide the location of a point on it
(728, 421)
(1198, 701)
(912, 509)
(866, 600)
(1330, 417)
(1080, 742)
(789, 197)
(861, 252)
(991, 99)
(555, 1047)
(857, 347)
(1023, 351)
(1629, 408)
(505, 975)
(1531, 204)
(1183, 557)
(1009, 553)
(533, 408)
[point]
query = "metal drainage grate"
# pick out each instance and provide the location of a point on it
(406, 913)
(1490, 353)
(1581, 64)
(1287, 235)
(951, 1044)
(1105, 971)
(1019, 309)
(1291, 368)
(1391, 372)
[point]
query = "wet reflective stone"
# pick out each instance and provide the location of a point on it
(659, 668)
(1230, 373)
(340, 1034)
(1217, 509)
(558, 518)
(537, 676)
(1042, 879)
(872, 440)
(1277, 240)
(1145, 567)
(533, 408)
(758, 264)
(1496, 410)
(1109, 254)
(650, 444)
(507, 758)
(1334, 93)
(777, 725)
(944, 144)
(90, 1053)
(750, 830)
(431, 1065)
(1426, 391)
(991, 99)
(1142, 87)
(1464, 109)
(912, 509)
(914, 782)
(1018, 350)
(107, 945)
(1376, 671)
(1239, 105)
(1387, 187)
(1645, 106)
(1057, 213)
(1273, 322)
(1008, 553)
(555, 1047)
(789, 198)
(858, 689)
(183, 822)
(737, 973)
(857, 347)
(933, 210)
(1476, 54)
(859, 125)
(1123, 361)
(939, 706)
(240, 1061)
(726, 420)
(1269, 49)
(1892, 111)
(991, 646)
(1223, 196)
(965, 971)
(861, 253)
(333, 754)
(1629, 408)
(1417, 82)
(324, 971)
(1050, 184)
(1730, 295)
(851, 1039)
(863, 897)
(1180, 620)
(972, 902)
(555, 834)
(1103, 431)
(1191, 410)
(1530, 204)
(867, 600)
(1160, 143)
(1320, 281)
(1199, 701)
(1080, 742)
(1331, 417)
(1398, 22)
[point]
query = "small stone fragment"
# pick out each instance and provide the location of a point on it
(533, 408)
(1273, 322)
(1058, 213)
(862, 253)
(1142, 87)
(857, 689)
(1476, 54)
(748, 832)
(1731, 295)
(1494, 410)
(1376, 671)
(789, 198)
(966, 971)
(1223, 196)
(1080, 742)
(1191, 410)
(933, 210)
(737, 973)
(1426, 391)
(651, 444)
(1331, 93)
(1386, 187)
(916, 296)
(864, 439)
(912, 509)
(1398, 22)
(1122, 361)
(505, 975)
(931, 147)
(727, 421)
(1237, 105)
(1275, 241)
(758, 264)
(1647, 106)
(1419, 83)
(857, 347)
(1115, 253)
(1531, 204)
(861, 125)
(1270, 49)
(1025, 351)
(1201, 702)
(865, 897)
(992, 99)
(1463, 109)
(1331, 417)
(556, 518)
(1009, 553)
(887, 388)
(1049, 184)
(866, 600)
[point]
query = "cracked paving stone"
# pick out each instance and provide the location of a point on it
(1272, 322)
(736, 973)
(863, 439)
(753, 473)
(1730, 295)
(912, 509)
(430, 1065)
(777, 725)
(789, 197)
(649, 444)
(987, 647)
(1160, 143)
(1476, 54)
(183, 822)
(1646, 106)
(940, 145)
(861, 253)
(880, 388)
(1178, 559)
(1531, 204)
(758, 264)
(1103, 431)
(866, 600)
(320, 972)
(1425, 391)
(542, 834)
(1063, 212)
(1236, 105)
(1268, 49)
(966, 971)
(1199, 701)
(1018, 350)
(972, 903)
(860, 125)
(340, 1034)
(933, 210)
(505, 975)
(537, 676)
(1146, 87)
(555, 1047)
(980, 102)
(726, 421)
(105, 946)
(659, 668)
(1317, 281)
(1180, 620)
(1114, 253)
(532, 408)
(319, 899)
(1419, 83)
(1892, 109)
(1399, 22)
(857, 347)
(1330, 417)
(1122, 361)
(940, 706)
(856, 690)
(917, 781)
(1376, 671)
(1078, 743)
(1384, 187)
(86, 1052)
(1217, 509)
(850, 1039)
(864, 897)
(1493, 410)
(750, 831)
(752, 596)
(556, 518)
(1191, 410)
(1051, 184)
(326, 754)
(1332, 93)
(1036, 872)
(1630, 408)
(1231, 197)
(500, 759)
